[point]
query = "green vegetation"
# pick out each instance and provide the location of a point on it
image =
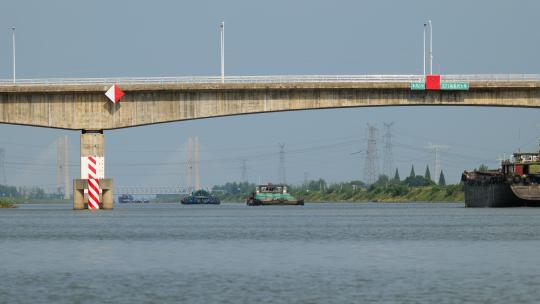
(233, 192)
(8, 191)
(442, 181)
(412, 189)
(427, 175)
(28, 194)
(6, 203)
(412, 174)
(396, 176)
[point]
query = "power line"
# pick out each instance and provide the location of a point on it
(281, 173)
(197, 163)
(388, 158)
(62, 169)
(437, 150)
(189, 163)
(244, 171)
(370, 167)
(66, 169)
(3, 179)
(457, 155)
(28, 164)
(25, 161)
(193, 181)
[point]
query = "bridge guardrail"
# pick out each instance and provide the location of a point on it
(266, 79)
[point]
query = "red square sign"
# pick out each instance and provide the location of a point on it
(433, 82)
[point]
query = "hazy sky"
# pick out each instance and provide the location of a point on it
(173, 38)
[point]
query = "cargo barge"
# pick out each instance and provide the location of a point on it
(272, 195)
(515, 184)
(200, 197)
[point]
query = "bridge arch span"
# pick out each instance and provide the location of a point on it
(85, 107)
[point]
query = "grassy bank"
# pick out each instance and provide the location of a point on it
(414, 188)
(452, 193)
(6, 203)
(391, 193)
(46, 201)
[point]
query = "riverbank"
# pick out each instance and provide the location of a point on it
(391, 193)
(452, 193)
(6, 203)
(13, 202)
(46, 201)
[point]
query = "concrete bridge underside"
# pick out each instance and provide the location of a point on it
(85, 107)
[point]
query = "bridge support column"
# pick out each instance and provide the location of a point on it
(80, 201)
(92, 144)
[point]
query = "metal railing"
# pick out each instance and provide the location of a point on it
(266, 79)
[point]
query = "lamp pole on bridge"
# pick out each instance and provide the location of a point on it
(13, 38)
(222, 50)
(430, 48)
(424, 48)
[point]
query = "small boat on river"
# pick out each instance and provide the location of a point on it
(272, 195)
(128, 198)
(200, 197)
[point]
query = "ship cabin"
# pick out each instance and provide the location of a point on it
(271, 189)
(522, 164)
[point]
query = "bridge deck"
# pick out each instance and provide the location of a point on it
(81, 104)
(259, 82)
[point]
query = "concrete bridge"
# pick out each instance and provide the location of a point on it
(80, 104)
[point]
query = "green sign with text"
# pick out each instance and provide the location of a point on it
(450, 86)
(461, 86)
(418, 85)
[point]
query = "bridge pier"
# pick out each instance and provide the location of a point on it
(92, 145)
(80, 201)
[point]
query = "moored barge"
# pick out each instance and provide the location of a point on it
(515, 184)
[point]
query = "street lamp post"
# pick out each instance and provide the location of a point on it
(424, 49)
(222, 53)
(13, 38)
(430, 48)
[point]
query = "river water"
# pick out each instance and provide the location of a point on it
(318, 253)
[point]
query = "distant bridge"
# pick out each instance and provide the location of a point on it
(152, 190)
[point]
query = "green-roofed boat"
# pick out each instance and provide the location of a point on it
(200, 197)
(272, 195)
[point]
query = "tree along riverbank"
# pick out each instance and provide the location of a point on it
(412, 189)
(27, 195)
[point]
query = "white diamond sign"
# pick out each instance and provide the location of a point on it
(114, 93)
